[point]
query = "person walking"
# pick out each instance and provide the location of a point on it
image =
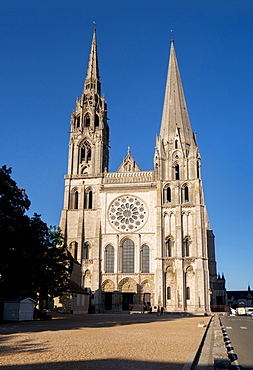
(158, 311)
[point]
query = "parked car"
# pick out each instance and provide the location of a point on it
(249, 311)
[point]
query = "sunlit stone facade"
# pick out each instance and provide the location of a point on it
(141, 237)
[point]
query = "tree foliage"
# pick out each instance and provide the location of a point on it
(34, 260)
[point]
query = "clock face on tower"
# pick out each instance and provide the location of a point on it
(127, 213)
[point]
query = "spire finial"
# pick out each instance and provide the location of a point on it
(128, 150)
(94, 25)
(171, 36)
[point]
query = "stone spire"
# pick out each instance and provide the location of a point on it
(175, 120)
(89, 139)
(92, 81)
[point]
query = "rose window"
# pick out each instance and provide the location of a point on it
(127, 213)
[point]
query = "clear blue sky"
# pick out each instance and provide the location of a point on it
(44, 53)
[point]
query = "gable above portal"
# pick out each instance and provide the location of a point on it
(129, 164)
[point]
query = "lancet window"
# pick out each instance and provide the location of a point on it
(169, 248)
(167, 194)
(96, 121)
(145, 259)
(74, 199)
(186, 247)
(87, 120)
(168, 292)
(85, 153)
(128, 256)
(73, 249)
(187, 293)
(78, 121)
(88, 199)
(177, 177)
(109, 259)
(185, 193)
(86, 251)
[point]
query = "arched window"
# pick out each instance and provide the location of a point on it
(74, 199)
(187, 293)
(88, 199)
(88, 154)
(176, 144)
(87, 120)
(86, 251)
(96, 121)
(128, 256)
(168, 292)
(78, 121)
(186, 247)
(169, 248)
(167, 194)
(87, 279)
(185, 193)
(73, 249)
(109, 259)
(85, 153)
(177, 172)
(145, 259)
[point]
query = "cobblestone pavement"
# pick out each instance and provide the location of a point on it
(103, 341)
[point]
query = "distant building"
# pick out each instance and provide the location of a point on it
(141, 237)
(237, 297)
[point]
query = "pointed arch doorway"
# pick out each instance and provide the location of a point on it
(128, 288)
(127, 301)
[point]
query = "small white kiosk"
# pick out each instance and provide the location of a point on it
(19, 309)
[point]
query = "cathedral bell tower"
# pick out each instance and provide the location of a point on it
(88, 148)
(186, 238)
(177, 156)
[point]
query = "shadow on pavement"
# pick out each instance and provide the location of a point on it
(103, 364)
(74, 322)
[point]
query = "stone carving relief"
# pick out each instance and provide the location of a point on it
(128, 285)
(108, 286)
(147, 286)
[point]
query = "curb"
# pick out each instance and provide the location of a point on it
(193, 359)
(215, 351)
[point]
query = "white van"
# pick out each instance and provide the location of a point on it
(240, 311)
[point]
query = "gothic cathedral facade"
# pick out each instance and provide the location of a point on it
(140, 237)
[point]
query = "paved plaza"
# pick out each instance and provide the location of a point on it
(103, 341)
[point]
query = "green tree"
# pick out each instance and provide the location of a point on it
(34, 260)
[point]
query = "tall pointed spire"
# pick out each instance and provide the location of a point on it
(175, 115)
(92, 81)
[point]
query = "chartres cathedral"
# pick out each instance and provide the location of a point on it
(139, 237)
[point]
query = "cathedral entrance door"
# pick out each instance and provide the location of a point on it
(146, 298)
(127, 300)
(108, 300)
